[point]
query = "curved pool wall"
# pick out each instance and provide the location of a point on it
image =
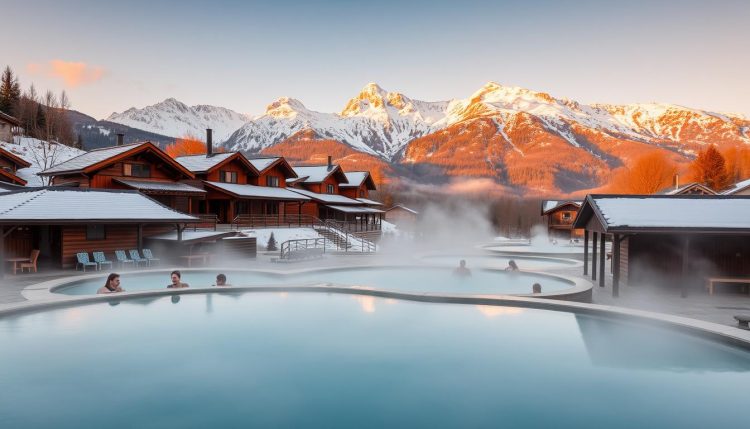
(551, 251)
(500, 261)
(488, 360)
(417, 279)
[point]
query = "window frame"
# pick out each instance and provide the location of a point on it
(96, 232)
(128, 170)
(331, 189)
(272, 181)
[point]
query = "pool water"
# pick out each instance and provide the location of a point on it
(406, 279)
(489, 261)
(320, 360)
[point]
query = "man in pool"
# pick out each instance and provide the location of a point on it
(221, 280)
(112, 285)
(176, 281)
(461, 270)
(536, 288)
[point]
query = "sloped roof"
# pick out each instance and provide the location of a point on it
(11, 119)
(649, 213)
(355, 179)
(369, 202)
(15, 159)
(361, 210)
(737, 187)
(319, 173)
(157, 186)
(327, 198)
(257, 192)
(81, 206)
(264, 163)
(688, 189)
(402, 207)
(549, 205)
(203, 163)
(12, 178)
(99, 158)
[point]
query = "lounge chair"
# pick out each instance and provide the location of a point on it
(83, 261)
(100, 259)
(32, 261)
(122, 258)
(136, 257)
(150, 256)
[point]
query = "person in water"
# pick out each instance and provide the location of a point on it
(512, 266)
(112, 285)
(176, 281)
(536, 288)
(221, 280)
(461, 270)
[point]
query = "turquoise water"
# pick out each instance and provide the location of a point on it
(319, 360)
(407, 279)
(488, 261)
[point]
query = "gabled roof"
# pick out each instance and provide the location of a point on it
(690, 189)
(551, 205)
(369, 202)
(263, 164)
(99, 158)
(256, 192)
(154, 186)
(356, 178)
(327, 198)
(737, 187)
(15, 159)
(319, 173)
(355, 209)
(12, 178)
(82, 206)
(7, 118)
(203, 163)
(665, 213)
(402, 207)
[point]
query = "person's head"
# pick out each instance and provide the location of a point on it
(176, 276)
(462, 263)
(221, 280)
(536, 288)
(512, 264)
(113, 281)
(175, 299)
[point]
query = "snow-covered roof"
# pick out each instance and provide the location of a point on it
(259, 192)
(737, 187)
(355, 178)
(402, 207)
(360, 210)
(695, 212)
(548, 205)
(315, 173)
(263, 163)
(690, 188)
(202, 163)
(194, 236)
(327, 198)
(90, 158)
(156, 186)
(66, 205)
(369, 202)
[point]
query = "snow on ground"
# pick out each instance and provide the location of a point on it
(40, 154)
(281, 235)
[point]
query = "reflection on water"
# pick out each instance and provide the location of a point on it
(366, 302)
(494, 310)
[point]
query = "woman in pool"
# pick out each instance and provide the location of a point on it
(176, 283)
(512, 266)
(112, 285)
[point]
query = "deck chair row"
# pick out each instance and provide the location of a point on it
(100, 260)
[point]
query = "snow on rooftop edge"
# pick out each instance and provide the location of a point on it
(675, 212)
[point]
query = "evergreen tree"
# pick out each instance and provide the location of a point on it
(271, 243)
(10, 92)
(709, 168)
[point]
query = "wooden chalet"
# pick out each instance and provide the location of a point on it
(402, 216)
(739, 188)
(359, 184)
(137, 166)
(8, 126)
(675, 241)
(559, 216)
(62, 221)
(693, 188)
(9, 166)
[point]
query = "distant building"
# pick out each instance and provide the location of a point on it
(402, 216)
(559, 216)
(9, 166)
(693, 188)
(7, 126)
(739, 188)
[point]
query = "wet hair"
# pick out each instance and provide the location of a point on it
(221, 278)
(536, 288)
(110, 277)
(176, 272)
(513, 264)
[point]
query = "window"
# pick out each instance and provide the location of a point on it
(136, 170)
(228, 176)
(272, 208)
(331, 189)
(95, 232)
(272, 181)
(566, 216)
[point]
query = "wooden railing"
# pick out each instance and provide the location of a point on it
(274, 221)
(207, 221)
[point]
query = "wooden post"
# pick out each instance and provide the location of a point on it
(179, 232)
(685, 258)
(602, 259)
(585, 252)
(139, 236)
(616, 265)
(593, 259)
(2, 252)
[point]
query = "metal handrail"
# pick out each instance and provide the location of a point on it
(301, 245)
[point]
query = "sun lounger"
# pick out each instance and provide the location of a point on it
(150, 256)
(83, 261)
(743, 321)
(136, 257)
(122, 258)
(100, 259)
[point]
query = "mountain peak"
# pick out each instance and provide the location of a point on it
(373, 97)
(285, 107)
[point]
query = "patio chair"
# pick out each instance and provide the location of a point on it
(32, 261)
(100, 259)
(136, 257)
(83, 261)
(150, 256)
(122, 258)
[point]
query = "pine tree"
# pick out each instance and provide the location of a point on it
(709, 168)
(10, 92)
(271, 243)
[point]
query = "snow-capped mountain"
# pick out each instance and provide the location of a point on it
(176, 119)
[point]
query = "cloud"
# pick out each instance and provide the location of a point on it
(73, 74)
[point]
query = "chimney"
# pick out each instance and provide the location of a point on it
(330, 162)
(120, 139)
(209, 142)
(676, 182)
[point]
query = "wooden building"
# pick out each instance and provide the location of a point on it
(8, 126)
(355, 213)
(321, 179)
(61, 222)
(402, 216)
(671, 241)
(138, 166)
(9, 166)
(559, 216)
(693, 188)
(739, 188)
(359, 184)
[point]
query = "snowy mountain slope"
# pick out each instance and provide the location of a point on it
(176, 119)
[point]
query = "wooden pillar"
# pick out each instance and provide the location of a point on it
(685, 259)
(179, 232)
(602, 259)
(139, 237)
(593, 258)
(2, 252)
(585, 252)
(616, 265)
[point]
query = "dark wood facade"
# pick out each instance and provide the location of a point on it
(559, 219)
(9, 166)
